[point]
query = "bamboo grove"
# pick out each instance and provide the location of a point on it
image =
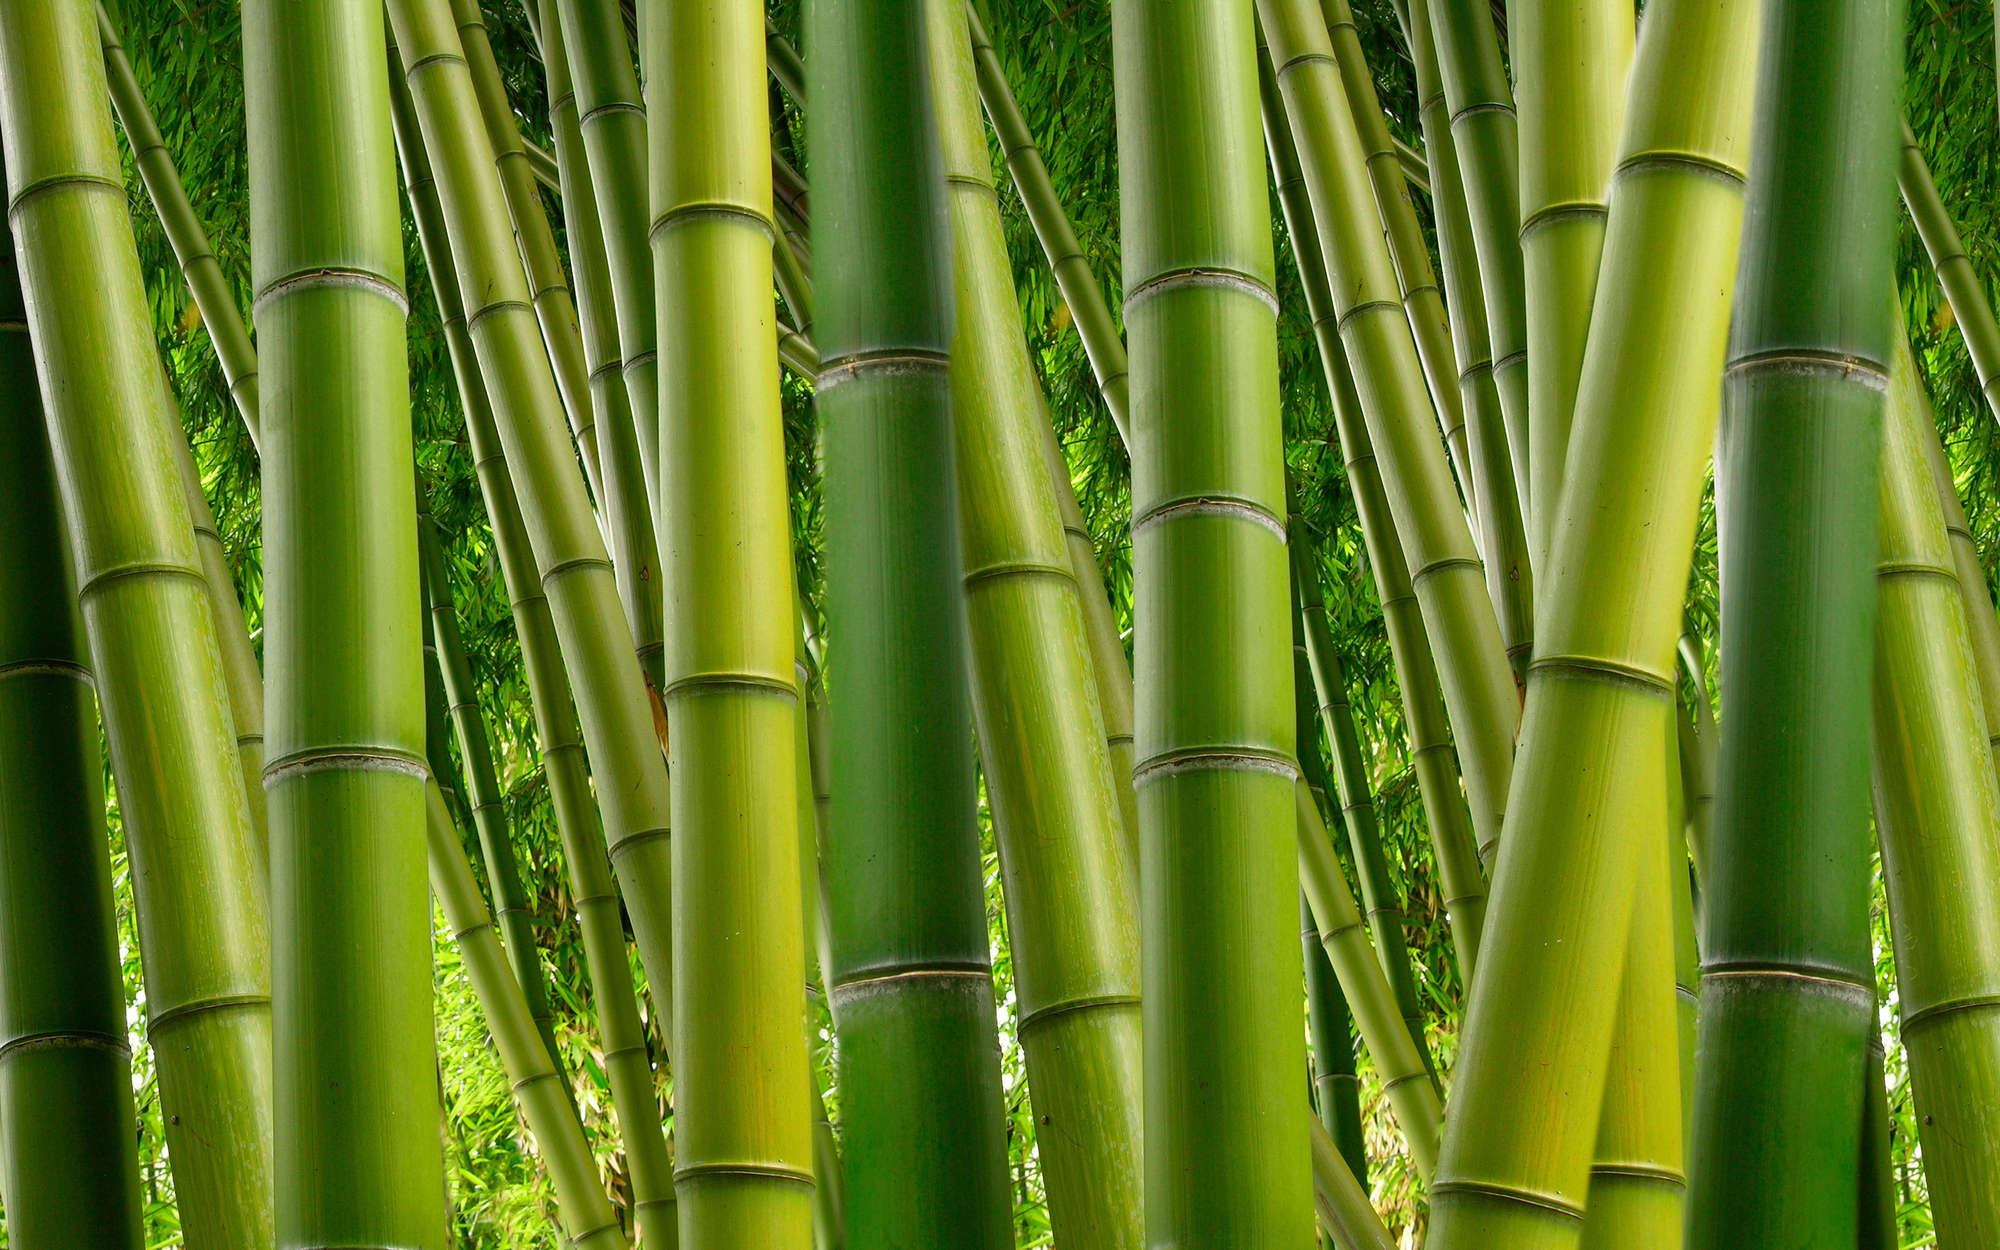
(747, 626)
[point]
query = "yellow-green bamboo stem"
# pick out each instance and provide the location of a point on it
(1981, 622)
(1341, 1202)
(1963, 290)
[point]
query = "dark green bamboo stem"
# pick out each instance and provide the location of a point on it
(1789, 974)
(1336, 1088)
(787, 70)
(69, 1173)
(1877, 1189)
(198, 889)
(1963, 290)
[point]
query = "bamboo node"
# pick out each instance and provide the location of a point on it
(1599, 668)
(747, 1170)
(1370, 306)
(158, 1022)
(68, 1039)
(1926, 1016)
(1198, 276)
(48, 668)
(344, 759)
(1042, 1015)
(1213, 506)
(56, 182)
(1552, 1203)
(965, 976)
(1679, 162)
(900, 363)
(710, 210)
(1797, 363)
(1240, 759)
(1562, 211)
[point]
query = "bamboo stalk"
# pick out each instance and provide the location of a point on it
(1341, 1202)
(1065, 850)
(1329, 1027)
(1789, 973)
(1937, 813)
(1878, 1224)
(198, 890)
(745, 1166)
(1530, 1078)
(1700, 739)
(787, 70)
(69, 1173)
(1963, 290)
(1445, 568)
(627, 1063)
(1981, 622)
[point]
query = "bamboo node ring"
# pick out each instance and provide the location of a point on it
(1239, 759)
(310, 279)
(1201, 276)
(1212, 506)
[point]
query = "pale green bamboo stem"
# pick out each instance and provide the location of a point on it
(542, 163)
(1963, 290)
(1699, 739)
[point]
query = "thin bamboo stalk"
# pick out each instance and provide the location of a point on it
(627, 1062)
(1543, 1004)
(1981, 621)
(1445, 568)
(541, 162)
(69, 1173)
(1937, 813)
(1878, 1224)
(1963, 290)
(1432, 757)
(1340, 1200)
(1789, 975)
(1329, 1027)
(1687, 952)
(787, 70)
(198, 890)
(911, 982)
(745, 1165)
(1700, 739)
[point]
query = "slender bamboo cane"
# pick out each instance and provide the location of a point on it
(829, 1184)
(1687, 953)
(1789, 974)
(1570, 62)
(1938, 815)
(787, 70)
(1485, 132)
(69, 1173)
(745, 1166)
(911, 982)
(199, 891)
(626, 1061)
(1962, 288)
(613, 122)
(1700, 739)
(1445, 568)
(1878, 1229)
(1336, 1087)
(1065, 847)
(1981, 621)
(1539, 1027)
(588, 1217)
(541, 162)
(554, 308)
(1432, 757)
(1340, 1200)
(1217, 766)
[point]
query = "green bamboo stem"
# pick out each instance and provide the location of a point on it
(1570, 62)
(1981, 622)
(1432, 757)
(911, 983)
(787, 70)
(1102, 342)
(541, 162)
(627, 1062)
(1789, 972)
(1415, 167)
(1341, 1201)
(1687, 952)
(627, 500)
(575, 569)
(745, 1166)
(1878, 1224)
(792, 282)
(1484, 130)
(1530, 1079)
(205, 280)
(1700, 740)
(1445, 567)
(613, 123)
(554, 309)
(1406, 1076)
(1938, 816)
(69, 1173)
(1065, 851)
(512, 914)
(1963, 289)
(829, 1184)
(1336, 1087)
(199, 892)
(588, 1218)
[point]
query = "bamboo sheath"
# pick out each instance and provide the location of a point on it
(588, 1218)
(1445, 568)
(626, 1061)
(1065, 847)
(1340, 1200)
(613, 124)
(1432, 757)
(1789, 972)
(1962, 288)
(911, 981)
(198, 888)
(555, 310)
(627, 500)
(745, 1165)
(69, 1173)
(1540, 1024)
(1938, 817)
(1982, 624)
(1570, 62)
(1486, 134)
(1217, 769)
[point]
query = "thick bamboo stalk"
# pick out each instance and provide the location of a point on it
(1570, 62)
(198, 889)
(1937, 813)
(1065, 850)
(1432, 757)
(1789, 975)
(1217, 769)
(745, 1164)
(911, 982)
(1540, 1022)
(69, 1173)
(554, 309)
(627, 1062)
(1445, 567)
(1963, 290)
(1981, 622)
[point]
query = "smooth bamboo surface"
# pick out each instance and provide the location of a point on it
(1329, 1028)
(1981, 622)
(1530, 1078)
(1963, 289)
(1341, 1201)
(69, 1173)
(199, 891)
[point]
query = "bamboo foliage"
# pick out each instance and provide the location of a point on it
(199, 892)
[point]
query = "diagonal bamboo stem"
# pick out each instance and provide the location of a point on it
(1962, 288)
